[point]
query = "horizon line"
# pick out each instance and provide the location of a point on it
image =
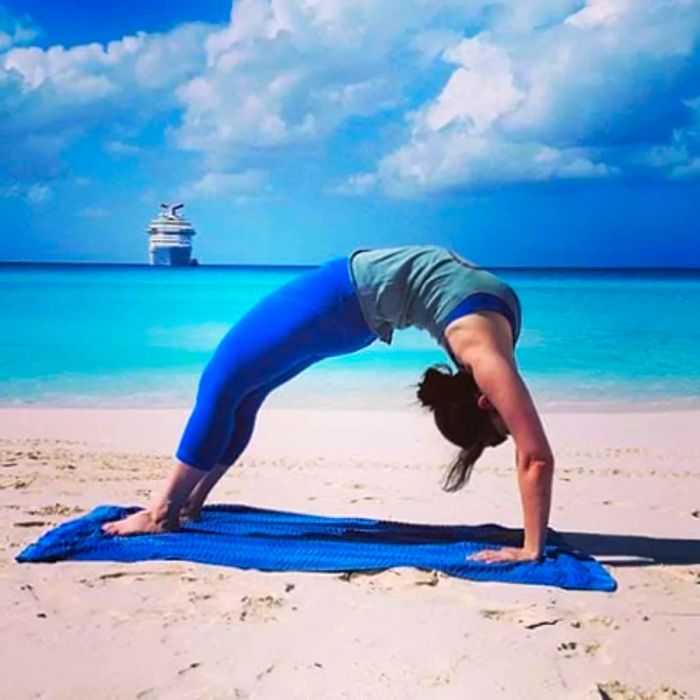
(562, 268)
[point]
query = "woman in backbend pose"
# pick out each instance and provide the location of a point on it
(341, 307)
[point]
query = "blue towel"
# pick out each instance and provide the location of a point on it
(253, 538)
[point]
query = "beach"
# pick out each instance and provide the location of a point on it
(626, 491)
(264, 232)
(93, 401)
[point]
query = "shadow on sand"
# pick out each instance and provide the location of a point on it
(634, 550)
(609, 549)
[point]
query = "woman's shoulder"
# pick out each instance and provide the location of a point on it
(406, 248)
(422, 254)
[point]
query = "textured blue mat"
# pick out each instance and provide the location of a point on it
(252, 538)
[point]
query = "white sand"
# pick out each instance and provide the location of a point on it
(628, 482)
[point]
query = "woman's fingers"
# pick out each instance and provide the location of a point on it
(502, 554)
(487, 555)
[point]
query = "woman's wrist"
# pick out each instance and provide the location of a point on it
(533, 547)
(533, 552)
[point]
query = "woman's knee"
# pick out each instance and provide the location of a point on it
(243, 425)
(224, 383)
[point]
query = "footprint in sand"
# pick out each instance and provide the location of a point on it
(129, 576)
(614, 690)
(56, 509)
(391, 579)
(531, 618)
(442, 673)
(353, 576)
(19, 484)
(568, 649)
(600, 620)
(260, 608)
(495, 614)
(678, 574)
(69, 466)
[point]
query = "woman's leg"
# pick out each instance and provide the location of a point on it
(244, 423)
(163, 513)
(316, 315)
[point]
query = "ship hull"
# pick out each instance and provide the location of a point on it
(172, 257)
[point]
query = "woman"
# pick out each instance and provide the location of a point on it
(341, 307)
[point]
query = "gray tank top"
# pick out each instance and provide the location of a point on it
(425, 286)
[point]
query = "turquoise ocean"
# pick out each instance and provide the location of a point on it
(102, 335)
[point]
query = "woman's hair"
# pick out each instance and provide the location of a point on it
(453, 399)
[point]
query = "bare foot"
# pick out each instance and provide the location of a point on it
(143, 522)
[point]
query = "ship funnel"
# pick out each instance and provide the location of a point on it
(172, 210)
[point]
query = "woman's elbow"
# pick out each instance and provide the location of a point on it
(541, 461)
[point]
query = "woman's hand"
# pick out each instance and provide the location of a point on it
(505, 554)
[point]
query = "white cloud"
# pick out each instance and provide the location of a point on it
(35, 193)
(575, 99)
(480, 92)
(121, 148)
(10, 191)
(687, 171)
(286, 72)
(94, 213)
(39, 193)
(525, 16)
(248, 182)
(578, 81)
(599, 13)
(51, 98)
(15, 31)
(445, 160)
(356, 185)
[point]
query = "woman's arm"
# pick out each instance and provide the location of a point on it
(500, 381)
(480, 345)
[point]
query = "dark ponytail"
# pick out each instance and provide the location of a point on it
(453, 400)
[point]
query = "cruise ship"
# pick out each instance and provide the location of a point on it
(170, 238)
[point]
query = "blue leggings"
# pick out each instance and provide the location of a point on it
(314, 316)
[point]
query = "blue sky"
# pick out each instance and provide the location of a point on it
(543, 132)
